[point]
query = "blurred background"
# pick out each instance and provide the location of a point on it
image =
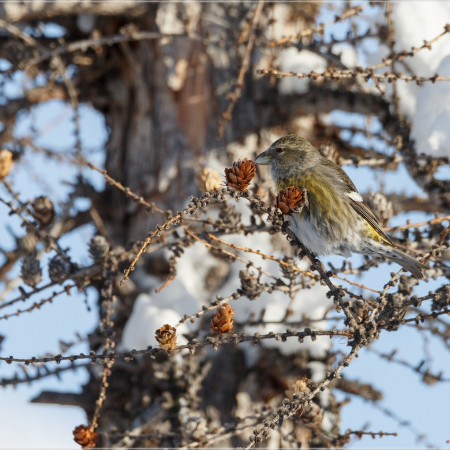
(113, 114)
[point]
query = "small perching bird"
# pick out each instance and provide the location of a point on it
(336, 220)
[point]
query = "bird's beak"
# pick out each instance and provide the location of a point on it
(264, 158)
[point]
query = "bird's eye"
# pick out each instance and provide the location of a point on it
(279, 150)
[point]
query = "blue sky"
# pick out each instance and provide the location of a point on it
(27, 425)
(68, 315)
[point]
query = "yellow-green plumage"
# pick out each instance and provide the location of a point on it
(319, 194)
(336, 221)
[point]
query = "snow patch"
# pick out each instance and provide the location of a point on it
(430, 123)
(146, 318)
(186, 294)
(427, 106)
(291, 60)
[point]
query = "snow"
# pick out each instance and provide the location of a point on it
(430, 123)
(146, 318)
(291, 60)
(415, 22)
(187, 294)
(151, 311)
(347, 54)
(427, 106)
(167, 19)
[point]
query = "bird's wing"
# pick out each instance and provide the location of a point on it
(363, 210)
(358, 205)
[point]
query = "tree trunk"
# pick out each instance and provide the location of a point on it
(164, 102)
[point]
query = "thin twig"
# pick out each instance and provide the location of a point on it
(39, 304)
(227, 115)
(317, 30)
(126, 190)
(215, 341)
(84, 44)
(221, 250)
(165, 284)
(291, 407)
(405, 54)
(285, 264)
(334, 74)
(434, 221)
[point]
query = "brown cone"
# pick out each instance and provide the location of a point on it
(292, 199)
(84, 436)
(240, 175)
(6, 163)
(222, 321)
(167, 337)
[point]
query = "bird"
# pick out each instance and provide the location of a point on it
(335, 219)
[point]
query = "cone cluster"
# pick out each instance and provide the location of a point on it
(6, 163)
(59, 269)
(84, 436)
(222, 321)
(208, 179)
(241, 174)
(31, 271)
(167, 337)
(43, 210)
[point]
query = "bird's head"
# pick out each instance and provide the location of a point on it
(289, 155)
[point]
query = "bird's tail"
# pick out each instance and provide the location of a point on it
(407, 262)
